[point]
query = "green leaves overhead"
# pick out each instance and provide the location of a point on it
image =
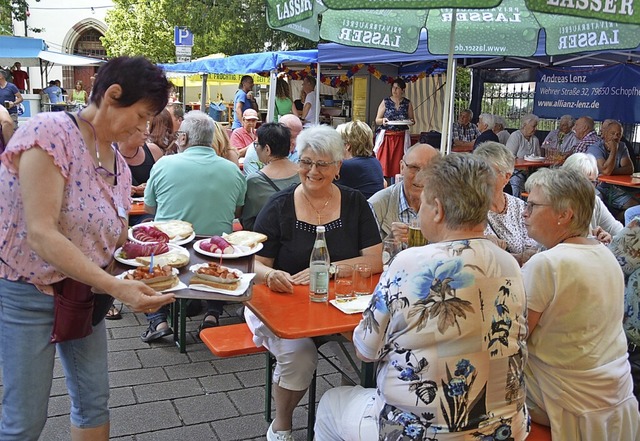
(232, 27)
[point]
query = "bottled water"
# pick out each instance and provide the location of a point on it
(319, 263)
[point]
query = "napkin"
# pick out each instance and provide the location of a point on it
(354, 306)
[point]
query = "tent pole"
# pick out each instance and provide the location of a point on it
(203, 95)
(184, 93)
(447, 117)
(272, 96)
(317, 115)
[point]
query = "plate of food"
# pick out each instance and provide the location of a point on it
(231, 246)
(139, 254)
(137, 199)
(176, 232)
(213, 277)
(534, 158)
(636, 175)
(161, 279)
(401, 122)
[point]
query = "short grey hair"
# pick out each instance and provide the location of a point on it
(527, 119)
(565, 188)
(321, 140)
(583, 163)
(497, 155)
(488, 119)
(199, 129)
(474, 181)
(497, 119)
(469, 111)
(568, 119)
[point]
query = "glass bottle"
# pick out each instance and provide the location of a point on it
(319, 264)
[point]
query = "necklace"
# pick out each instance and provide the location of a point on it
(95, 140)
(504, 209)
(132, 156)
(569, 237)
(318, 212)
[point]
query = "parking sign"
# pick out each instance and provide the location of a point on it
(182, 36)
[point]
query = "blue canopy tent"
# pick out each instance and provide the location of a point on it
(245, 64)
(32, 52)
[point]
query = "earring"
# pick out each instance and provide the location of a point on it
(337, 177)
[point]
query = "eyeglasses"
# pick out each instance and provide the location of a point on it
(413, 169)
(529, 206)
(307, 164)
(256, 144)
(180, 133)
(102, 171)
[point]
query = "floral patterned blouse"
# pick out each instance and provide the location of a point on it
(447, 322)
(93, 211)
(396, 114)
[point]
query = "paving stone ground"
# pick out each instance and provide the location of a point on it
(159, 394)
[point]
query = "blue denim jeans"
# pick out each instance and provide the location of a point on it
(27, 359)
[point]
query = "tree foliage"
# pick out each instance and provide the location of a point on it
(145, 27)
(12, 10)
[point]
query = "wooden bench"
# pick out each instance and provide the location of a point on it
(235, 340)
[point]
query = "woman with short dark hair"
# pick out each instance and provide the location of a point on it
(64, 198)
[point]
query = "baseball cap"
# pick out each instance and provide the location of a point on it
(250, 114)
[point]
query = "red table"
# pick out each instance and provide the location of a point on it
(524, 164)
(137, 208)
(622, 180)
(292, 315)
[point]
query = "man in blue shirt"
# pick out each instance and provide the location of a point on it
(55, 95)
(243, 100)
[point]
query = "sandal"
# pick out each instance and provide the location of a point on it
(208, 323)
(152, 333)
(114, 313)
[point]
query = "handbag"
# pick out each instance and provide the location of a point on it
(76, 309)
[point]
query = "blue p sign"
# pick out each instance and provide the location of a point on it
(182, 36)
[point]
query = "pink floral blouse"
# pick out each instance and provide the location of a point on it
(93, 211)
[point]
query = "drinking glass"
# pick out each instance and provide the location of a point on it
(344, 283)
(362, 279)
(390, 247)
(416, 238)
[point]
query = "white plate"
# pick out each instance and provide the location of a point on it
(175, 272)
(245, 282)
(532, 158)
(402, 122)
(636, 175)
(152, 224)
(355, 306)
(240, 251)
(194, 269)
(134, 262)
(137, 199)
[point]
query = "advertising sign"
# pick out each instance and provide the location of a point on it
(601, 93)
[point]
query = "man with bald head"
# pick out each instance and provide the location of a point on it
(585, 133)
(251, 161)
(395, 206)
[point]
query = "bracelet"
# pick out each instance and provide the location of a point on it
(266, 277)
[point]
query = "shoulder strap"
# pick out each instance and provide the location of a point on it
(275, 187)
(73, 118)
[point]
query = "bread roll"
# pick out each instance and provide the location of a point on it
(172, 258)
(195, 280)
(245, 238)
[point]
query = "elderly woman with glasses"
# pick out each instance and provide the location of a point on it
(446, 325)
(289, 220)
(577, 375)
(64, 198)
(603, 225)
(505, 225)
